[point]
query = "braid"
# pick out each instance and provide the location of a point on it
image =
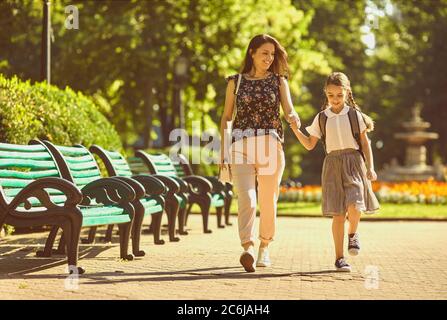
(351, 102)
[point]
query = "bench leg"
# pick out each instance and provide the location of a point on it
(72, 233)
(124, 230)
(188, 211)
(61, 246)
(109, 232)
(181, 221)
(156, 227)
(48, 249)
(205, 204)
(91, 236)
(136, 229)
(172, 210)
(219, 217)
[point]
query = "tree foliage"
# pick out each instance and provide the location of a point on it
(124, 55)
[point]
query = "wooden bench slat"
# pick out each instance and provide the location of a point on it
(28, 174)
(85, 174)
(158, 157)
(14, 183)
(23, 148)
(80, 159)
(84, 181)
(114, 154)
(23, 163)
(12, 192)
(119, 162)
(25, 155)
(124, 168)
(72, 151)
(89, 221)
(82, 166)
(124, 173)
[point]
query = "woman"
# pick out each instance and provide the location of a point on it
(256, 153)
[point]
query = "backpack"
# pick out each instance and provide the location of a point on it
(355, 128)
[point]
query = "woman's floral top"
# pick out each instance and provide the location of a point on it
(257, 108)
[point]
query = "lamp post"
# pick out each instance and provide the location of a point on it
(45, 62)
(181, 73)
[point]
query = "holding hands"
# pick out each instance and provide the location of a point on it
(294, 120)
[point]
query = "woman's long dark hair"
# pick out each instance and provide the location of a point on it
(279, 64)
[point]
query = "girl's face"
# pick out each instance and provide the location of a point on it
(336, 95)
(264, 56)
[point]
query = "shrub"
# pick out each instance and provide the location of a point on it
(39, 110)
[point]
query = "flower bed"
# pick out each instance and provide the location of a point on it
(428, 192)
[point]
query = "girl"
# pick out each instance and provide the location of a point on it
(348, 168)
(256, 95)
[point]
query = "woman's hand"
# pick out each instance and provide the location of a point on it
(294, 120)
(371, 174)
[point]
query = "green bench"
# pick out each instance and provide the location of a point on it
(219, 191)
(78, 158)
(176, 197)
(32, 193)
(152, 192)
(198, 189)
(78, 166)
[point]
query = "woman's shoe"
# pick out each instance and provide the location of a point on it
(247, 260)
(263, 258)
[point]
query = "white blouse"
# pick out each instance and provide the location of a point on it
(338, 130)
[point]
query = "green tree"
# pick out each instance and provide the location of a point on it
(409, 66)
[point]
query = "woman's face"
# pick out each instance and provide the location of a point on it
(264, 56)
(336, 95)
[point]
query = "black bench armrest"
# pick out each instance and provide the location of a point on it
(172, 184)
(136, 186)
(184, 186)
(152, 185)
(218, 186)
(108, 191)
(37, 190)
(198, 184)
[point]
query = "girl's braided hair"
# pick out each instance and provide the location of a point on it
(341, 80)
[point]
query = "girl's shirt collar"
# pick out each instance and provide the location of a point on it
(331, 114)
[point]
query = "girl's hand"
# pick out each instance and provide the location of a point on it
(294, 120)
(371, 174)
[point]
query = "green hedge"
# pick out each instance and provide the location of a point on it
(29, 111)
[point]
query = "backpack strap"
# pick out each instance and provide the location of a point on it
(355, 128)
(322, 119)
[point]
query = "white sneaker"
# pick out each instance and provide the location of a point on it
(263, 258)
(247, 260)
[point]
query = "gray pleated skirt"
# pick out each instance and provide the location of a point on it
(344, 183)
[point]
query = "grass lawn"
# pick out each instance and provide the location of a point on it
(387, 211)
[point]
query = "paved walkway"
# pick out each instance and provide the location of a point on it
(399, 260)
